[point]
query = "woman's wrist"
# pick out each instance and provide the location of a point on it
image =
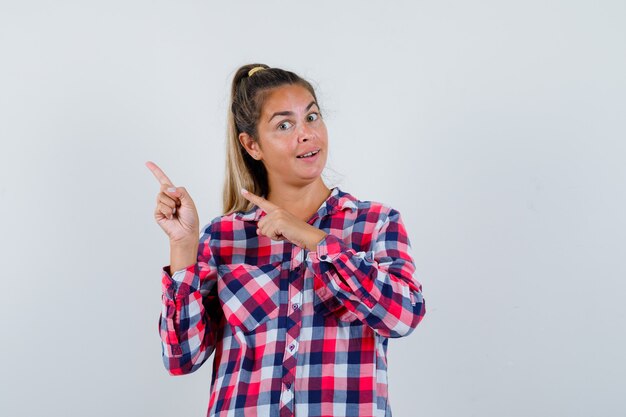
(315, 238)
(182, 255)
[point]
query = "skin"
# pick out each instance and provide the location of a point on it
(296, 186)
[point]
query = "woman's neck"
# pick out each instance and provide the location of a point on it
(301, 201)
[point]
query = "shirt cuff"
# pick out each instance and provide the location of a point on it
(181, 283)
(329, 250)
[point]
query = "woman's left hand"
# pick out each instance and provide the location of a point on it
(279, 224)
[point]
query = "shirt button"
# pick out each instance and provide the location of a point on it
(296, 306)
(288, 385)
(293, 347)
(323, 257)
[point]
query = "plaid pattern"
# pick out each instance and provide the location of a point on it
(295, 332)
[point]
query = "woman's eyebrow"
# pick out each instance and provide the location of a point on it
(290, 113)
(310, 105)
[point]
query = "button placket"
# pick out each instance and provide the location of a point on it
(294, 312)
(293, 347)
(296, 301)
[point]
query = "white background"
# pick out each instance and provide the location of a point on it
(495, 127)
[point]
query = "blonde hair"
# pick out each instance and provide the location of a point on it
(248, 93)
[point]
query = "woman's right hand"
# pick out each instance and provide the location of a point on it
(175, 211)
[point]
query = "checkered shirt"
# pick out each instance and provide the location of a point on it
(295, 332)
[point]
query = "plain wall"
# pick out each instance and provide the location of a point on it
(495, 127)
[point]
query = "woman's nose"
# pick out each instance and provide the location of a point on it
(305, 133)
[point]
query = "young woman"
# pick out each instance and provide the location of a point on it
(297, 287)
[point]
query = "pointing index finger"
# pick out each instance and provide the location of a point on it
(158, 173)
(265, 205)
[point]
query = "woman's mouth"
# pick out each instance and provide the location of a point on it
(309, 154)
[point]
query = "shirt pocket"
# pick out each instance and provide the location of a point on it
(249, 294)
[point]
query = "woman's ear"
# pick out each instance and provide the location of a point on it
(250, 145)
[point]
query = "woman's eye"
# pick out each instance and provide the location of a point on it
(313, 116)
(284, 126)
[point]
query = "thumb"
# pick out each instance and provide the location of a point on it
(182, 194)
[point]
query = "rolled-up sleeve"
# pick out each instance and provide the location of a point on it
(376, 285)
(191, 316)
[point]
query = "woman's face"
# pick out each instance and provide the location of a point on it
(292, 137)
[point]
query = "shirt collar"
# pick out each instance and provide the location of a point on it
(336, 201)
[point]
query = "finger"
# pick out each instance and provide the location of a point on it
(275, 236)
(272, 236)
(158, 173)
(265, 205)
(263, 226)
(182, 195)
(261, 222)
(173, 192)
(167, 200)
(166, 210)
(159, 215)
(270, 230)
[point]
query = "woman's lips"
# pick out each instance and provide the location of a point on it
(309, 155)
